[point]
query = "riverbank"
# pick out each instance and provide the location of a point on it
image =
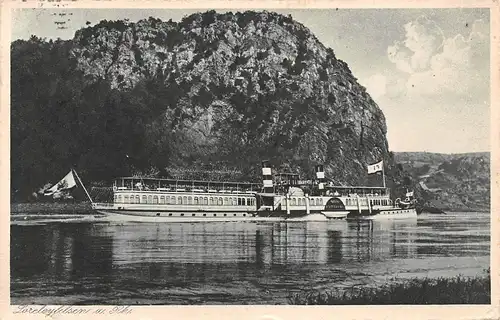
(49, 208)
(456, 290)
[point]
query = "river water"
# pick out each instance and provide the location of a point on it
(235, 262)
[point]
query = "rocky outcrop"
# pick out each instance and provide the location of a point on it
(216, 91)
(258, 77)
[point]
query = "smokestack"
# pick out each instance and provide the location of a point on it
(267, 177)
(320, 175)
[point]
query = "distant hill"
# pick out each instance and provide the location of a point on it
(433, 158)
(450, 182)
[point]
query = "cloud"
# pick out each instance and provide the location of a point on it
(434, 64)
(423, 39)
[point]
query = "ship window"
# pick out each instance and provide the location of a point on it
(205, 201)
(155, 199)
(193, 215)
(137, 199)
(179, 200)
(190, 200)
(169, 214)
(317, 201)
(195, 200)
(182, 214)
(284, 201)
(300, 202)
(184, 200)
(215, 215)
(144, 199)
(162, 199)
(239, 201)
(150, 199)
(172, 200)
(294, 201)
(116, 198)
(205, 213)
(211, 201)
(225, 201)
(320, 201)
(125, 197)
(244, 214)
(234, 214)
(119, 198)
(220, 201)
(225, 214)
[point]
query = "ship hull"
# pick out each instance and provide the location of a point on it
(387, 214)
(186, 216)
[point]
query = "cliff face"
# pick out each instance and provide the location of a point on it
(223, 91)
(253, 86)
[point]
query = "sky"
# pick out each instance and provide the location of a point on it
(427, 69)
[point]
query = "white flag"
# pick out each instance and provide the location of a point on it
(66, 183)
(375, 167)
(409, 194)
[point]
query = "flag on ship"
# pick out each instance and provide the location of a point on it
(376, 167)
(66, 183)
(409, 194)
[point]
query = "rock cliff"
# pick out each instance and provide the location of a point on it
(254, 85)
(214, 91)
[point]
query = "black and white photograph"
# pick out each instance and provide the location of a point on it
(250, 156)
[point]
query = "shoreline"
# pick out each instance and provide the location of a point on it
(51, 208)
(84, 208)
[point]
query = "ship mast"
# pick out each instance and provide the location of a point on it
(83, 186)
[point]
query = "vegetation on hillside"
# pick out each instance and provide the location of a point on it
(459, 182)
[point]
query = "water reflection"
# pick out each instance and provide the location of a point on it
(229, 262)
(60, 250)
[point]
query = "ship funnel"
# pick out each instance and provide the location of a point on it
(320, 175)
(267, 177)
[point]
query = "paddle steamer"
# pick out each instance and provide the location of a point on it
(279, 197)
(287, 196)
